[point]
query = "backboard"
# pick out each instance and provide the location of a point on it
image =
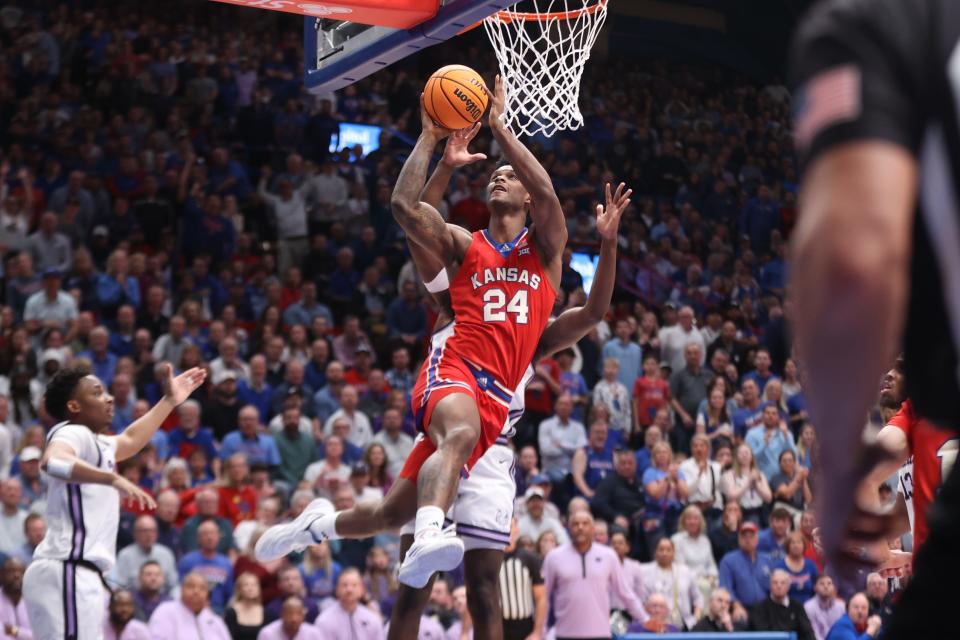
(338, 52)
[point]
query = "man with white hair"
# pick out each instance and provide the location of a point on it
(12, 516)
(779, 612)
(717, 617)
(674, 340)
(191, 435)
(856, 623)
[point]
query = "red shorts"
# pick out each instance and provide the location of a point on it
(445, 374)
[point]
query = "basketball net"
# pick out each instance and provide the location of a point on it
(541, 55)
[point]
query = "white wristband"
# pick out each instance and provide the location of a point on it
(439, 283)
(60, 468)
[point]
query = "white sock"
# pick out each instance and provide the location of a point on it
(429, 522)
(324, 528)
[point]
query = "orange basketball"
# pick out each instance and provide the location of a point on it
(455, 96)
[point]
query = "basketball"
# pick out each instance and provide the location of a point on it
(455, 96)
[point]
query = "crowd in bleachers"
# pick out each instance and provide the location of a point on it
(168, 194)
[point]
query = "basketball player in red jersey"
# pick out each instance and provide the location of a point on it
(501, 296)
(922, 455)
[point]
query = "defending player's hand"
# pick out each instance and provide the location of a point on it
(431, 128)
(178, 389)
(608, 218)
(130, 491)
(498, 103)
(456, 154)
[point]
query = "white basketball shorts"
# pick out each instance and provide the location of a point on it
(484, 504)
(64, 601)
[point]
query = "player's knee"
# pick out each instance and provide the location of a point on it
(483, 598)
(460, 440)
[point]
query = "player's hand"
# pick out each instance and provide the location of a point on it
(498, 102)
(608, 218)
(178, 389)
(431, 128)
(896, 565)
(132, 492)
(456, 154)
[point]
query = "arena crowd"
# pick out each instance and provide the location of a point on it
(168, 193)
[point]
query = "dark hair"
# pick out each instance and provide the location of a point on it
(780, 514)
(61, 388)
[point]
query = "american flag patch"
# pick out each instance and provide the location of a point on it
(828, 98)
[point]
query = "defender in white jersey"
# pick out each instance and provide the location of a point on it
(64, 587)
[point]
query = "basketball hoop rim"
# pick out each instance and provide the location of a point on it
(505, 15)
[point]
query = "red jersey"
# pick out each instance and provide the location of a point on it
(651, 395)
(932, 454)
(501, 299)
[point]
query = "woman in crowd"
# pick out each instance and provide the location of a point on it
(375, 457)
(693, 548)
(714, 420)
(803, 571)
(320, 572)
(791, 486)
(806, 446)
(791, 379)
(244, 615)
(665, 490)
(379, 580)
(546, 543)
(745, 484)
(676, 583)
(723, 539)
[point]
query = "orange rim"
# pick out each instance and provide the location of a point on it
(506, 15)
(509, 16)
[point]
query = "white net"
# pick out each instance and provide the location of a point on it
(542, 54)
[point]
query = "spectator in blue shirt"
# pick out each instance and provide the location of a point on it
(768, 440)
(761, 373)
(102, 362)
(315, 371)
(759, 218)
(856, 623)
(248, 439)
(256, 390)
(307, 308)
(773, 539)
(406, 317)
(400, 377)
(190, 435)
(122, 403)
(213, 566)
(628, 353)
(803, 571)
(117, 287)
(745, 572)
(751, 414)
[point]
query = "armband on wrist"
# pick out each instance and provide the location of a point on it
(60, 468)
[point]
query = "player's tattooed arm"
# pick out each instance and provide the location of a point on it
(551, 227)
(575, 323)
(420, 221)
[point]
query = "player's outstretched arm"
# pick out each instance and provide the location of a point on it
(545, 211)
(422, 222)
(851, 252)
(176, 390)
(60, 460)
(575, 323)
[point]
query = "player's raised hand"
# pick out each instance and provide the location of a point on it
(456, 154)
(431, 128)
(178, 389)
(498, 102)
(608, 217)
(132, 492)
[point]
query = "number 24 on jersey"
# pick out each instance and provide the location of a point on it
(494, 301)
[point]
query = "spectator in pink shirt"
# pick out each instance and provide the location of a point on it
(291, 624)
(190, 617)
(579, 577)
(348, 619)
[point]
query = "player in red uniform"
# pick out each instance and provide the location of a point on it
(501, 296)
